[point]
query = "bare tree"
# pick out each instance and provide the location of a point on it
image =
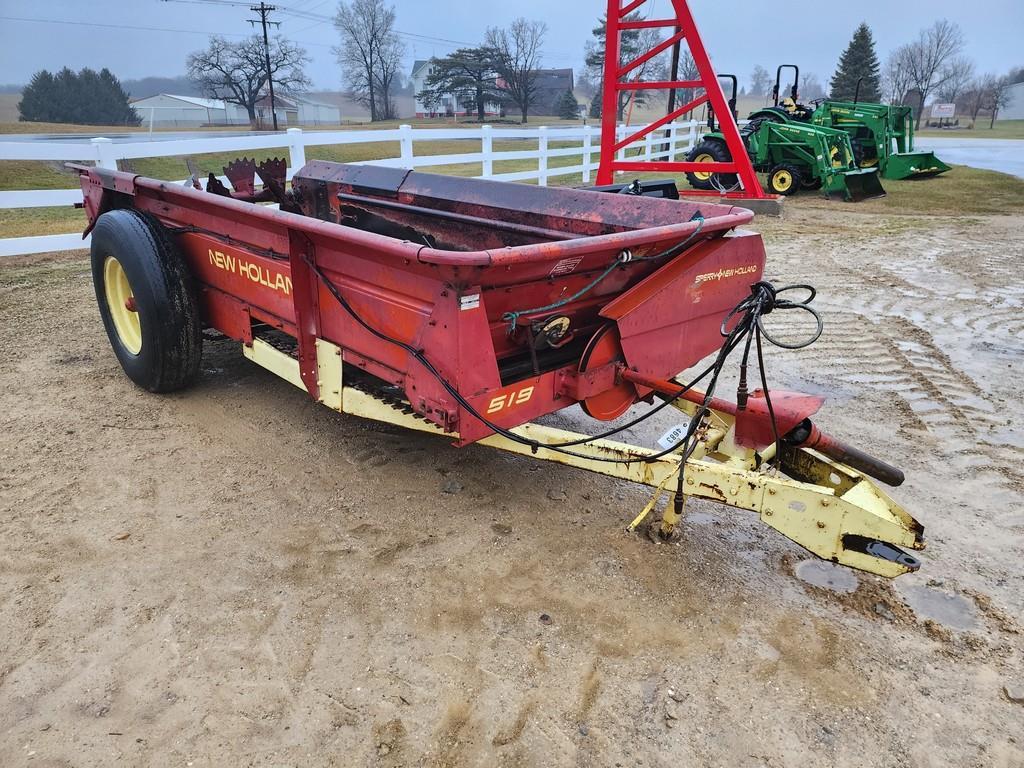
(369, 54)
(760, 80)
(896, 75)
(958, 74)
(517, 58)
(999, 97)
(688, 71)
(976, 96)
(811, 87)
(237, 72)
(927, 59)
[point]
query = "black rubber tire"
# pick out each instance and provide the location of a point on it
(811, 183)
(720, 152)
(164, 295)
(796, 175)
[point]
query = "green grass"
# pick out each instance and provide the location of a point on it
(27, 222)
(961, 191)
(1004, 129)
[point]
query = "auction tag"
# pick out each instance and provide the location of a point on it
(672, 437)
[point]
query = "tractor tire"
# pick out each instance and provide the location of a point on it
(710, 151)
(147, 300)
(785, 179)
(811, 183)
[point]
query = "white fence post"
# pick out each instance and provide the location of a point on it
(691, 136)
(648, 146)
(542, 161)
(104, 149)
(405, 143)
(620, 133)
(486, 149)
(587, 151)
(296, 149)
(672, 139)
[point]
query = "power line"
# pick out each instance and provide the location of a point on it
(203, 32)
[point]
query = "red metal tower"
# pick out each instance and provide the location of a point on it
(616, 80)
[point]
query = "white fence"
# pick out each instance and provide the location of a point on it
(668, 143)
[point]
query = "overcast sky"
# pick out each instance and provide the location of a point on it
(738, 34)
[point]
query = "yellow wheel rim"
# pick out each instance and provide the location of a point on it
(121, 304)
(782, 180)
(704, 157)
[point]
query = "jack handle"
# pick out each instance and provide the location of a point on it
(807, 435)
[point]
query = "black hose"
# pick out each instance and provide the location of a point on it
(761, 301)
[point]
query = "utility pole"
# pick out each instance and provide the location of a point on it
(263, 10)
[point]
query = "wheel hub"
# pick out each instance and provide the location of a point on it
(121, 303)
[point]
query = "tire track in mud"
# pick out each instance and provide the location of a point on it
(905, 316)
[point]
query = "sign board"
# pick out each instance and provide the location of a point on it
(943, 110)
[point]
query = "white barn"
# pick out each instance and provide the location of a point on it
(166, 109)
(1014, 109)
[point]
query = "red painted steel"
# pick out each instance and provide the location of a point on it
(439, 262)
(615, 82)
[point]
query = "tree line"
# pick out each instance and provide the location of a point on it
(505, 67)
(502, 70)
(86, 97)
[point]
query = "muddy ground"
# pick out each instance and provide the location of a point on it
(234, 575)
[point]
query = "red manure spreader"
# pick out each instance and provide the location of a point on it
(471, 308)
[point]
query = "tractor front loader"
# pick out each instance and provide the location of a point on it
(794, 156)
(881, 135)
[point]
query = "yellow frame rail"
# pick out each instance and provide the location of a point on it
(826, 507)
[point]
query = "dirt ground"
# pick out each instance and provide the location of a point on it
(234, 575)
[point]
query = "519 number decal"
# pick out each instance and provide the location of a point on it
(501, 402)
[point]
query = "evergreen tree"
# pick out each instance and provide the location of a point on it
(858, 61)
(632, 43)
(37, 99)
(568, 107)
(595, 105)
(87, 98)
(469, 74)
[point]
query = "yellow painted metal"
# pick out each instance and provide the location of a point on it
(814, 501)
(121, 304)
(275, 361)
(328, 373)
(703, 157)
(650, 505)
(782, 180)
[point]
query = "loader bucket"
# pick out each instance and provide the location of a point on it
(854, 186)
(913, 165)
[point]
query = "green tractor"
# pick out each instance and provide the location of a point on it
(882, 135)
(794, 156)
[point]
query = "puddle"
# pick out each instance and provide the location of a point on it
(953, 611)
(700, 518)
(820, 573)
